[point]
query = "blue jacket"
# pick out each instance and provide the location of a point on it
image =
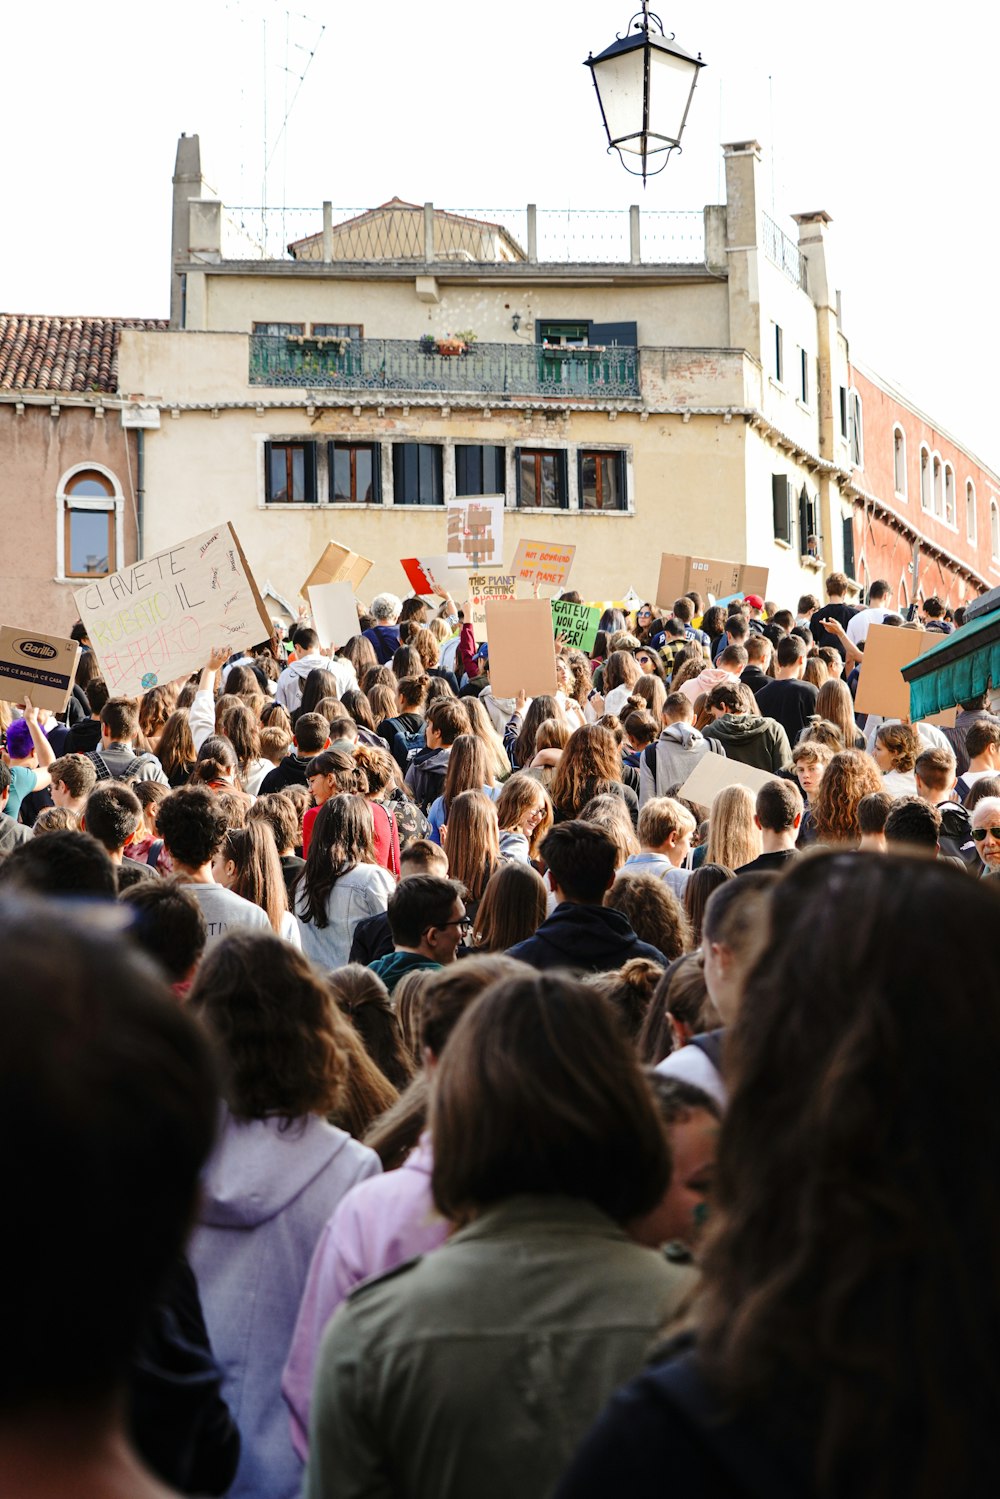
(588, 939)
(385, 639)
(267, 1194)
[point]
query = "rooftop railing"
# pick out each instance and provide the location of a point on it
(783, 252)
(484, 369)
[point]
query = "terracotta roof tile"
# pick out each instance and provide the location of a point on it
(67, 354)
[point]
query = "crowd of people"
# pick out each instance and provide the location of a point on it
(414, 1092)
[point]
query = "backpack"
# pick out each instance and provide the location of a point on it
(956, 834)
(130, 773)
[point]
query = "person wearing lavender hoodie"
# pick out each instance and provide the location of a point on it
(387, 1220)
(278, 1172)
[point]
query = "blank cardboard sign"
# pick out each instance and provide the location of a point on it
(714, 773)
(881, 688)
(334, 613)
(522, 648)
(338, 564)
(706, 576)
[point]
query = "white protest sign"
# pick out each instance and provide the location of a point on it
(475, 531)
(496, 587)
(159, 619)
(334, 613)
(714, 773)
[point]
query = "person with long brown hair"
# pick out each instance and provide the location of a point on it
(341, 883)
(524, 816)
(468, 769)
(242, 730)
(482, 727)
(364, 1000)
(175, 751)
(589, 764)
(523, 724)
(845, 1340)
(546, 1145)
(699, 887)
(247, 863)
(472, 843)
(834, 808)
(513, 907)
(835, 705)
(278, 1171)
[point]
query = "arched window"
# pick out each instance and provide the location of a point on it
(925, 478)
(899, 461)
(90, 540)
(949, 494)
(903, 596)
(995, 530)
(937, 481)
(971, 521)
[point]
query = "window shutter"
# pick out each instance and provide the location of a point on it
(310, 471)
(562, 479)
(376, 473)
(804, 519)
(517, 474)
(624, 334)
(622, 481)
(268, 491)
(780, 502)
(849, 546)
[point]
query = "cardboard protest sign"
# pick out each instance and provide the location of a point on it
(475, 531)
(158, 619)
(543, 563)
(522, 648)
(576, 623)
(720, 579)
(881, 688)
(334, 612)
(338, 565)
(431, 577)
(714, 773)
(497, 588)
(41, 667)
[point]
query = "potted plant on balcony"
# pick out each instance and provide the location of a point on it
(450, 345)
(427, 343)
(468, 338)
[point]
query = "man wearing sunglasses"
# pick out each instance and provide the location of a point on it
(986, 834)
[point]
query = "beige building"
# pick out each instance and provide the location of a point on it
(634, 384)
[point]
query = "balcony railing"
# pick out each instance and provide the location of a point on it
(783, 252)
(485, 369)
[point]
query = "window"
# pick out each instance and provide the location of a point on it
(602, 481)
(810, 536)
(925, 479)
(479, 469)
(779, 354)
(902, 595)
(417, 473)
(279, 330)
(804, 376)
(971, 519)
(355, 473)
(849, 562)
(290, 473)
(937, 483)
(856, 430)
(995, 530)
(781, 504)
(843, 412)
(90, 540)
(338, 330)
(566, 335)
(541, 478)
(899, 461)
(949, 494)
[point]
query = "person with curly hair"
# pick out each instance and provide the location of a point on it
(895, 751)
(653, 911)
(277, 1174)
(845, 1204)
(848, 777)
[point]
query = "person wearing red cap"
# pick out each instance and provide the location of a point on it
(755, 604)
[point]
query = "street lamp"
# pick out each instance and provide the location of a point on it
(644, 84)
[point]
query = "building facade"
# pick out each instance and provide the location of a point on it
(70, 480)
(674, 383)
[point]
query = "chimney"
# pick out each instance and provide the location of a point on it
(188, 183)
(814, 247)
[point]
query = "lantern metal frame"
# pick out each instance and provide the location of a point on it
(638, 35)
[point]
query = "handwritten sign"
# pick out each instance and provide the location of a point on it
(39, 666)
(706, 576)
(495, 587)
(544, 563)
(475, 531)
(158, 620)
(338, 564)
(576, 623)
(431, 577)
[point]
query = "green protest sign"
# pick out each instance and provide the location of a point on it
(576, 623)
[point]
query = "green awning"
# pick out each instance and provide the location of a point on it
(960, 668)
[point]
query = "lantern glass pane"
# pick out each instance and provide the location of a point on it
(619, 81)
(670, 82)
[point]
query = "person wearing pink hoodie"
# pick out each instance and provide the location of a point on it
(731, 663)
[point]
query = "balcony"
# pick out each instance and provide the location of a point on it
(502, 370)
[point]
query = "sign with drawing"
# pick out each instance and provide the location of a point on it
(475, 531)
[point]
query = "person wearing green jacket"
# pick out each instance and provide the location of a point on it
(742, 732)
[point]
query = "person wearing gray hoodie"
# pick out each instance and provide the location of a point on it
(276, 1175)
(680, 747)
(292, 680)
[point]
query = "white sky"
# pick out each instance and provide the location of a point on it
(883, 116)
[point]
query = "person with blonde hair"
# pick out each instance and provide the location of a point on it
(524, 816)
(665, 830)
(733, 835)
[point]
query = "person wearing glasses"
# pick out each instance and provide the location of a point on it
(427, 920)
(986, 834)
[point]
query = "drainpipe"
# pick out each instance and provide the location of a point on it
(140, 491)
